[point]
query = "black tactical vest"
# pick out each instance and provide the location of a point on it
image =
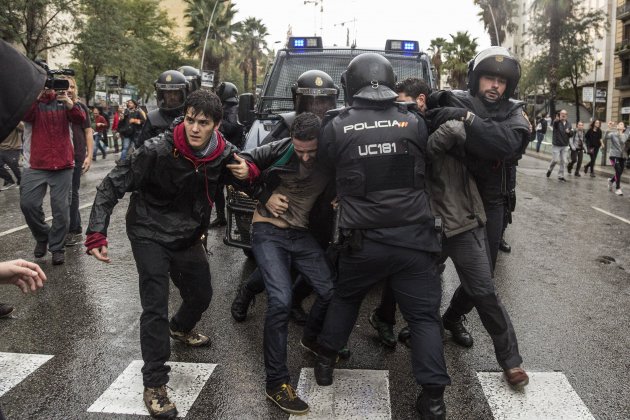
(380, 167)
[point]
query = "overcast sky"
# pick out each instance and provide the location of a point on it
(376, 21)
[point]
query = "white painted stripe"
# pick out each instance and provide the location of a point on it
(124, 396)
(549, 395)
(48, 219)
(611, 215)
(355, 394)
(15, 367)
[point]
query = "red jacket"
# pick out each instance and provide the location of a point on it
(50, 146)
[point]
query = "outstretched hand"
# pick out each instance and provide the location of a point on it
(240, 170)
(26, 275)
(100, 254)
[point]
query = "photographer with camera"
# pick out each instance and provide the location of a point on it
(49, 161)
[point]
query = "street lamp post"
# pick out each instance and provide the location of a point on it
(595, 85)
(494, 22)
(203, 53)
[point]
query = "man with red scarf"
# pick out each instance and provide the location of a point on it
(172, 179)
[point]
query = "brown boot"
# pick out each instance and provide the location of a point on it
(158, 403)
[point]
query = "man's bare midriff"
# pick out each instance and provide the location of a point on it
(276, 221)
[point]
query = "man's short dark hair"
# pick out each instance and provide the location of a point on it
(306, 126)
(206, 102)
(413, 87)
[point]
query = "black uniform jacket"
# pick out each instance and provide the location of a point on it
(170, 202)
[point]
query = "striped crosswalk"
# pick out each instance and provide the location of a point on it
(355, 393)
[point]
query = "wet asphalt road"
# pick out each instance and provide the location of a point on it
(570, 312)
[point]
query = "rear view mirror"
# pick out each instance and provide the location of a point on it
(246, 115)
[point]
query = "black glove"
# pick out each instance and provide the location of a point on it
(439, 116)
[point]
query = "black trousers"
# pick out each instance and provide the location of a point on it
(417, 290)
(470, 257)
(154, 262)
(576, 156)
(591, 163)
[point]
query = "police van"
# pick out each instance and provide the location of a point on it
(300, 55)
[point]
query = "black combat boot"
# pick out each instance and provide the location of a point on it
(325, 367)
(219, 221)
(241, 303)
(504, 246)
(430, 403)
(456, 326)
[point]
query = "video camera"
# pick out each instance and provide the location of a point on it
(57, 85)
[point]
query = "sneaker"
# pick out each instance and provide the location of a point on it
(285, 397)
(244, 298)
(73, 239)
(158, 403)
(460, 334)
(192, 338)
(5, 310)
(593, 175)
(562, 179)
(40, 249)
(430, 408)
(8, 186)
(577, 174)
(548, 174)
(385, 330)
(516, 377)
(404, 336)
(344, 353)
(58, 257)
(618, 191)
(610, 185)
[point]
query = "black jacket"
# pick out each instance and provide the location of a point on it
(230, 127)
(170, 201)
(157, 122)
(496, 138)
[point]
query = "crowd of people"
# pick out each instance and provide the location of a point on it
(383, 190)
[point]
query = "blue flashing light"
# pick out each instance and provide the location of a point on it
(303, 42)
(402, 46)
(409, 46)
(299, 43)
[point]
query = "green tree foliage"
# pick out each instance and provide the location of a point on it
(251, 44)
(458, 52)
(219, 47)
(124, 38)
(435, 47)
(38, 25)
(566, 33)
(503, 11)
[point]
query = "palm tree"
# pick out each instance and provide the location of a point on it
(503, 11)
(436, 47)
(218, 50)
(251, 41)
(554, 14)
(458, 53)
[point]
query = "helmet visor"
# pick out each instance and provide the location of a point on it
(171, 99)
(318, 105)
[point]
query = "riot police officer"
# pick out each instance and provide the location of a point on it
(496, 135)
(233, 132)
(376, 150)
(171, 88)
(314, 91)
(193, 76)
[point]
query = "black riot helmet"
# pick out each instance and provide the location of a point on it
(171, 89)
(370, 76)
(228, 93)
(193, 76)
(314, 92)
(494, 61)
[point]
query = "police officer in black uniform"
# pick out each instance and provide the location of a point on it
(376, 149)
(171, 88)
(233, 132)
(193, 76)
(314, 91)
(496, 137)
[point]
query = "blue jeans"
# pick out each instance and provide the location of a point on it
(276, 251)
(539, 138)
(125, 147)
(98, 145)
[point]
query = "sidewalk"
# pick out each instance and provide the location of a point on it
(604, 171)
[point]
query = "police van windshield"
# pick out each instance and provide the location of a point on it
(289, 65)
